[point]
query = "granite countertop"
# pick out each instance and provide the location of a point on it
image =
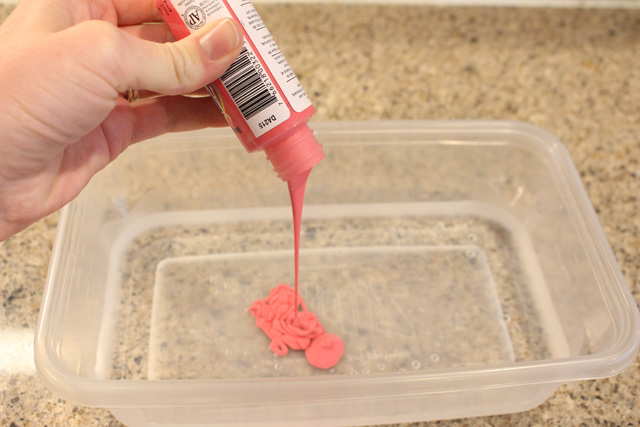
(573, 72)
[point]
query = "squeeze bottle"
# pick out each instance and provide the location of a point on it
(259, 95)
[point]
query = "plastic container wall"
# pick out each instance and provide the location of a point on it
(473, 243)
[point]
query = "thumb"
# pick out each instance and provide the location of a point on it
(179, 67)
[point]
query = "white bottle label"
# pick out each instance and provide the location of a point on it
(271, 54)
(249, 85)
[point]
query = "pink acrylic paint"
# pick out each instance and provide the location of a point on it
(265, 105)
(288, 328)
(297, 186)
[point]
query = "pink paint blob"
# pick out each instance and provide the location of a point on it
(325, 351)
(289, 328)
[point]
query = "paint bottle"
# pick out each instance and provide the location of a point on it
(259, 95)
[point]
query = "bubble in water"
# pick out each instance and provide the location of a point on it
(435, 357)
(366, 370)
(277, 366)
(507, 318)
(381, 367)
(438, 344)
(213, 279)
(471, 254)
(416, 364)
(472, 237)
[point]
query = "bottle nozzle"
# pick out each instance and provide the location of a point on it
(295, 153)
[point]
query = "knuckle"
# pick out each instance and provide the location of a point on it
(103, 54)
(184, 68)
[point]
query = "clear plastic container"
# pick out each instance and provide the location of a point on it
(461, 263)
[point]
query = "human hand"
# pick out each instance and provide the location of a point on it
(64, 64)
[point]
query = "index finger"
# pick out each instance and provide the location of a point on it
(33, 17)
(131, 12)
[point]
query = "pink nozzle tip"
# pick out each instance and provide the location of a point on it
(296, 153)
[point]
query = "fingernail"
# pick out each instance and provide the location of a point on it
(222, 39)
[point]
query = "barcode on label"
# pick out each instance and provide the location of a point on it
(246, 87)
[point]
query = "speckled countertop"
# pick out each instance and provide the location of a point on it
(573, 72)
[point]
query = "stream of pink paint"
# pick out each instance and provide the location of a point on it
(283, 315)
(297, 186)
